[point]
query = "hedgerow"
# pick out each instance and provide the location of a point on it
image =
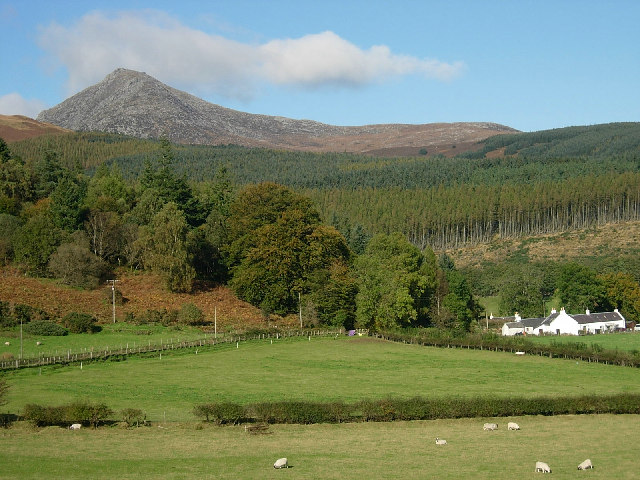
(435, 337)
(416, 408)
(78, 412)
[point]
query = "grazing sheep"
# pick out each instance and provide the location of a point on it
(586, 464)
(38, 343)
(7, 343)
(513, 426)
(281, 463)
(75, 426)
(490, 426)
(440, 441)
(542, 467)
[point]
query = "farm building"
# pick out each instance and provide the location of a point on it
(562, 323)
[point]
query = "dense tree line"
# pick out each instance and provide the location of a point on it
(543, 182)
(293, 231)
(450, 217)
(265, 240)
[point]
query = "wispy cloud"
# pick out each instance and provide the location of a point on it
(153, 42)
(15, 104)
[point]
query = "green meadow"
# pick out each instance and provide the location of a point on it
(323, 369)
(112, 336)
(397, 450)
(628, 342)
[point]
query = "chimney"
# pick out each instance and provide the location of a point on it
(553, 310)
(588, 312)
(518, 318)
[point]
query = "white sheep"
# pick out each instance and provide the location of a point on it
(38, 343)
(281, 463)
(513, 426)
(542, 467)
(7, 343)
(75, 426)
(586, 464)
(440, 441)
(490, 426)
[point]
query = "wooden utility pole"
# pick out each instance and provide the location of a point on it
(113, 296)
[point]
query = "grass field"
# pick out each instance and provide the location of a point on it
(113, 335)
(613, 341)
(400, 450)
(323, 369)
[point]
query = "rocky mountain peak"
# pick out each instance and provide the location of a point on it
(134, 103)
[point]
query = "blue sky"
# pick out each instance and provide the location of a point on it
(531, 65)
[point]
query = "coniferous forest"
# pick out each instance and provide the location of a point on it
(277, 224)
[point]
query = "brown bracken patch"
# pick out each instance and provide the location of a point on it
(142, 291)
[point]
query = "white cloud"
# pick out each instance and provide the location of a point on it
(15, 104)
(326, 58)
(153, 42)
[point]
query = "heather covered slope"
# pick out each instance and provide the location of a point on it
(17, 127)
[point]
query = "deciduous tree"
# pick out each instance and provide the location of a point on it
(395, 283)
(579, 289)
(623, 293)
(163, 246)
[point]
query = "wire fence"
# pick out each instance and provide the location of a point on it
(93, 354)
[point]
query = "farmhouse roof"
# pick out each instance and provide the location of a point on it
(584, 318)
(514, 325)
(532, 322)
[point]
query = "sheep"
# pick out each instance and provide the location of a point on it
(7, 343)
(440, 441)
(490, 426)
(542, 467)
(513, 426)
(75, 426)
(586, 464)
(38, 343)
(281, 463)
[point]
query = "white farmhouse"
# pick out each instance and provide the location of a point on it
(521, 326)
(562, 323)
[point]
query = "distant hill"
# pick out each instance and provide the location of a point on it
(593, 141)
(16, 127)
(136, 104)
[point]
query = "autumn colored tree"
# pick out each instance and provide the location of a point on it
(276, 269)
(277, 246)
(623, 293)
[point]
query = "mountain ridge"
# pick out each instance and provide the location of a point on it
(136, 104)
